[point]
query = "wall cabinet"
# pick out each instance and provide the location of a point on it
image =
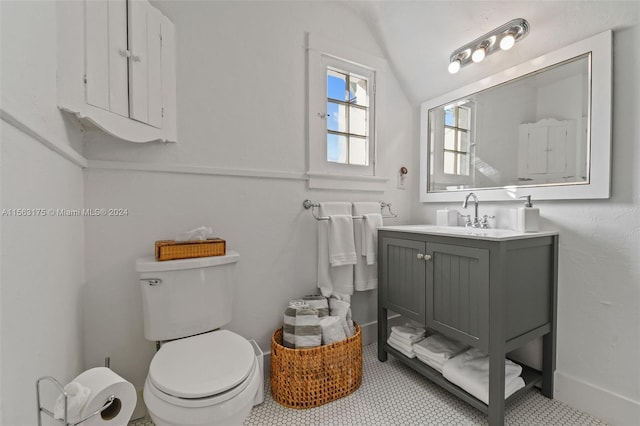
(125, 82)
(493, 294)
(547, 151)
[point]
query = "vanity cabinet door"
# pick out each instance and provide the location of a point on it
(457, 292)
(402, 281)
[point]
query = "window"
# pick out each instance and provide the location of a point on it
(457, 120)
(341, 121)
(347, 117)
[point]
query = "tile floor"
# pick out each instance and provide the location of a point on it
(393, 394)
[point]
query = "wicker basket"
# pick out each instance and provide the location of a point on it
(170, 249)
(306, 378)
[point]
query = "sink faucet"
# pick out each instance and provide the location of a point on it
(476, 221)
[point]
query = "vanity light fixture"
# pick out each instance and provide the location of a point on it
(502, 38)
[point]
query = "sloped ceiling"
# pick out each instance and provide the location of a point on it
(419, 36)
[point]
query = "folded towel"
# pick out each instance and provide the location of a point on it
(370, 236)
(401, 349)
(332, 279)
(301, 328)
(440, 347)
(318, 302)
(365, 273)
(332, 330)
(342, 309)
(342, 249)
(436, 364)
(407, 347)
(408, 331)
(77, 396)
(470, 371)
(404, 340)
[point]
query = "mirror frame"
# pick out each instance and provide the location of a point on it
(599, 154)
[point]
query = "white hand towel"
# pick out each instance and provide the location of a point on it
(370, 236)
(332, 279)
(332, 330)
(436, 364)
(77, 396)
(365, 274)
(470, 371)
(342, 249)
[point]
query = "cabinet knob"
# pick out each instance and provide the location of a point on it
(421, 256)
(124, 53)
(135, 58)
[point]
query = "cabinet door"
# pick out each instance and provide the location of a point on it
(403, 277)
(457, 298)
(145, 67)
(106, 55)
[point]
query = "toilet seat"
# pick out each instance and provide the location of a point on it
(203, 369)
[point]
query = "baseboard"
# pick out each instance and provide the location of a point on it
(610, 407)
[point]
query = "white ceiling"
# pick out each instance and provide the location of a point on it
(419, 36)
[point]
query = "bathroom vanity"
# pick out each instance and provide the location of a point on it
(492, 289)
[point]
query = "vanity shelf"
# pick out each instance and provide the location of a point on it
(494, 290)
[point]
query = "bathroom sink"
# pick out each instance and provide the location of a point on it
(459, 231)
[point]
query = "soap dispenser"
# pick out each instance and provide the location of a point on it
(528, 217)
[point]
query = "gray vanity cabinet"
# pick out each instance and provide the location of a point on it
(495, 294)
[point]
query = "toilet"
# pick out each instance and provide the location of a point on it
(201, 375)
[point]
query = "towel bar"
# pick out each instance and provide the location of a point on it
(307, 204)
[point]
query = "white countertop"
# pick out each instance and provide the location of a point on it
(473, 233)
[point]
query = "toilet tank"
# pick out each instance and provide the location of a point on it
(185, 297)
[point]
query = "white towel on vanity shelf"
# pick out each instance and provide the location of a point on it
(366, 235)
(440, 347)
(342, 250)
(401, 348)
(470, 371)
(332, 279)
(408, 331)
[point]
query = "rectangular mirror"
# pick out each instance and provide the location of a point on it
(541, 128)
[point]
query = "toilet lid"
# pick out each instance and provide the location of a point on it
(203, 365)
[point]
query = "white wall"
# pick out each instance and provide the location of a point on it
(241, 120)
(599, 274)
(42, 257)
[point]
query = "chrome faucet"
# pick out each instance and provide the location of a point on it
(476, 221)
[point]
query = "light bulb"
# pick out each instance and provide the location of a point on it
(454, 66)
(478, 54)
(507, 42)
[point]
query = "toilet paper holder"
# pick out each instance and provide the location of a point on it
(109, 401)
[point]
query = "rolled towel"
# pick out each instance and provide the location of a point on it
(320, 303)
(409, 331)
(77, 396)
(342, 309)
(301, 327)
(470, 371)
(332, 330)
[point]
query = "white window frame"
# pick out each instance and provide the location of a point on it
(323, 174)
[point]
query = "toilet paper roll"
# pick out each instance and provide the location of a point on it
(103, 382)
